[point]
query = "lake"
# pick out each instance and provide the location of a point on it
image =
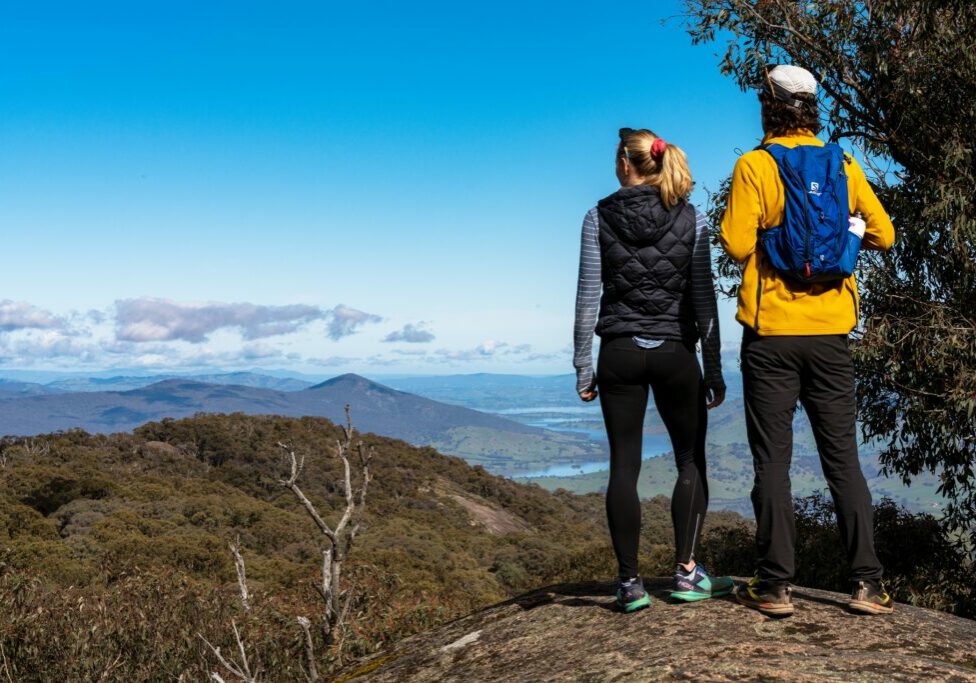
(569, 419)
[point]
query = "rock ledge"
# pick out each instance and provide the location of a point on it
(571, 633)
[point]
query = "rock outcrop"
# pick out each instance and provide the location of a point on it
(571, 633)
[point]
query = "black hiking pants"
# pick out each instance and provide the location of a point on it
(625, 371)
(817, 371)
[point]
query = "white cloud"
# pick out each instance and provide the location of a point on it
(331, 361)
(153, 320)
(383, 361)
(412, 334)
(344, 321)
(45, 345)
(484, 350)
(410, 352)
(20, 315)
(492, 349)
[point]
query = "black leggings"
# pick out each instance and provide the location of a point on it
(624, 372)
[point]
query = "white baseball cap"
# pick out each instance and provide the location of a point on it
(787, 80)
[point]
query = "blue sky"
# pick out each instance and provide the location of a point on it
(238, 184)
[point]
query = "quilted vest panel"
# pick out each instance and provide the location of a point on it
(645, 252)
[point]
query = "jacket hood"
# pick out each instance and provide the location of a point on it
(637, 215)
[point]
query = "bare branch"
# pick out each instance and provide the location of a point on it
(348, 428)
(6, 667)
(243, 670)
(241, 575)
(312, 673)
(341, 627)
(347, 486)
(325, 588)
(296, 464)
(240, 647)
(290, 484)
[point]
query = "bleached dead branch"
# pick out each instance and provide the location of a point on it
(241, 575)
(240, 669)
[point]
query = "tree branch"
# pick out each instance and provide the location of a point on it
(242, 670)
(290, 484)
(241, 575)
(311, 674)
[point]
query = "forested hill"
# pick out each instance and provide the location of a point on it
(128, 533)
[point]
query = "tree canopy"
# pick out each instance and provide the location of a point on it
(898, 83)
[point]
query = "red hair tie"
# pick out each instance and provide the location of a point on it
(658, 147)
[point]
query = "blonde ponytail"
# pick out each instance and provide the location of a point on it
(667, 171)
(673, 179)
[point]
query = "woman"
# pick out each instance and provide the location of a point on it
(647, 247)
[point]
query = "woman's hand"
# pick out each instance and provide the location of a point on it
(588, 395)
(714, 396)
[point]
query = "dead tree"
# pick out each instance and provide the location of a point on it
(338, 540)
(338, 543)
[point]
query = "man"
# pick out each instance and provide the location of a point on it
(795, 347)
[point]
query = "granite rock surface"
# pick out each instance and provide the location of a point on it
(572, 633)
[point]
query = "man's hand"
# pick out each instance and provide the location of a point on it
(714, 397)
(588, 395)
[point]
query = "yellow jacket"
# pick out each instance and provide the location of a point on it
(768, 303)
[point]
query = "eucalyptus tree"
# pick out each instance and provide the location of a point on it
(898, 81)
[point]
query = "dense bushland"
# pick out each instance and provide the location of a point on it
(114, 549)
(114, 555)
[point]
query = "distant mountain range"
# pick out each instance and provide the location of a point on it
(127, 382)
(12, 387)
(489, 391)
(503, 445)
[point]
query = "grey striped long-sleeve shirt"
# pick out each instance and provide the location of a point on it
(588, 303)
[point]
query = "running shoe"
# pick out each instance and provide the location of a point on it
(869, 597)
(631, 595)
(698, 585)
(772, 599)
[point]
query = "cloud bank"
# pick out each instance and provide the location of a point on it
(157, 320)
(160, 333)
(154, 320)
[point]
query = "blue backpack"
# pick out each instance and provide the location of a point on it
(814, 243)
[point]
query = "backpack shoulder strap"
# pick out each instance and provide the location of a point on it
(774, 150)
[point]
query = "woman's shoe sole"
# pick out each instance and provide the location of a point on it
(691, 596)
(863, 607)
(635, 605)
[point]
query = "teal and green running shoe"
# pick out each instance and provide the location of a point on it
(631, 595)
(698, 585)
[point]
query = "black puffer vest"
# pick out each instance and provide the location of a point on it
(645, 252)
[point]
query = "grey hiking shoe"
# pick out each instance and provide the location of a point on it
(771, 599)
(869, 597)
